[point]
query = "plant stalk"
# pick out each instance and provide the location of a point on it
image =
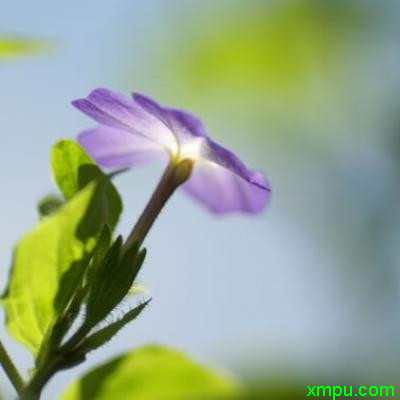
(10, 370)
(175, 175)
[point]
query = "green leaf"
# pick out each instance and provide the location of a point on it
(50, 261)
(99, 253)
(67, 318)
(49, 257)
(112, 281)
(73, 169)
(152, 373)
(104, 335)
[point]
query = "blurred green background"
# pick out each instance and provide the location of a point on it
(308, 91)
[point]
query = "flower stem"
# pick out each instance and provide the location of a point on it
(10, 370)
(173, 177)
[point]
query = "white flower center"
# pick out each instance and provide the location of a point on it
(192, 149)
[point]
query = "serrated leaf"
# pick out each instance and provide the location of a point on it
(104, 335)
(152, 373)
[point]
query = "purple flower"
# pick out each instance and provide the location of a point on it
(132, 131)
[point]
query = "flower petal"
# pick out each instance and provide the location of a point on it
(135, 130)
(152, 107)
(117, 148)
(224, 184)
(118, 111)
(181, 123)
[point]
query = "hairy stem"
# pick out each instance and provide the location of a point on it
(10, 370)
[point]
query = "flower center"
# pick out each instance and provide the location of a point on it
(191, 149)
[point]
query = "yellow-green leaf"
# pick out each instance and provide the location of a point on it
(152, 373)
(41, 259)
(12, 47)
(50, 261)
(73, 169)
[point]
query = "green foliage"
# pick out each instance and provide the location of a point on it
(50, 261)
(48, 205)
(112, 281)
(272, 63)
(102, 247)
(12, 47)
(152, 373)
(104, 335)
(43, 257)
(73, 169)
(274, 46)
(70, 259)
